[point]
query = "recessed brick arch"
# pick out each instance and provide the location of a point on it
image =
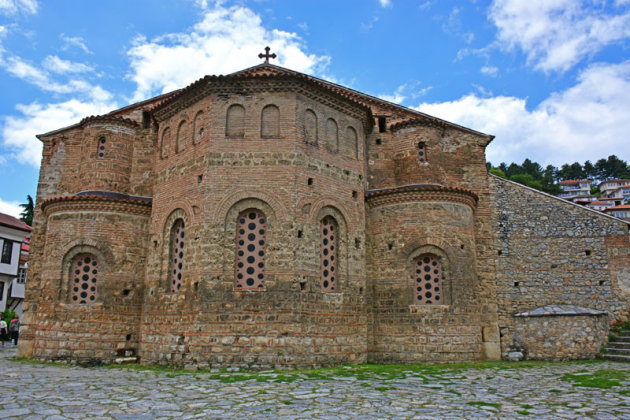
(317, 207)
(431, 261)
(72, 254)
(235, 199)
(341, 241)
(181, 217)
(165, 142)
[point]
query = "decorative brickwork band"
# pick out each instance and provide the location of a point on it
(423, 192)
(251, 234)
(117, 203)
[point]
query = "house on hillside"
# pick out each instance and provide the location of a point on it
(576, 190)
(610, 186)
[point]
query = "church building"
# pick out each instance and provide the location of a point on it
(271, 218)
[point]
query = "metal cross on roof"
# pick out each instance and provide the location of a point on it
(266, 55)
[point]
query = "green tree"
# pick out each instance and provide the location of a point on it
(29, 209)
(527, 179)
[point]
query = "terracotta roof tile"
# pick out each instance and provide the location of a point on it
(10, 221)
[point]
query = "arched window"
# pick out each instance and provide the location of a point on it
(166, 142)
(270, 121)
(352, 141)
(332, 134)
(198, 131)
(176, 260)
(310, 127)
(428, 280)
(235, 121)
(180, 143)
(422, 152)
(84, 276)
(251, 242)
(101, 146)
(329, 275)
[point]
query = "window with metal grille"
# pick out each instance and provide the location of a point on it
(83, 279)
(176, 255)
(428, 280)
(251, 242)
(329, 275)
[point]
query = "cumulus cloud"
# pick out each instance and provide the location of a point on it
(398, 96)
(11, 7)
(557, 34)
(12, 208)
(385, 3)
(586, 121)
(18, 131)
(61, 66)
(225, 40)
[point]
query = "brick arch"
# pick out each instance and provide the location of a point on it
(76, 248)
(442, 256)
(182, 206)
(180, 140)
(165, 255)
(328, 202)
(342, 243)
(277, 209)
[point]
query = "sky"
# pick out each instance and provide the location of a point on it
(549, 78)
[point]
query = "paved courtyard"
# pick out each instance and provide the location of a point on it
(39, 391)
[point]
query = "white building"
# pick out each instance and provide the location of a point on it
(607, 188)
(14, 235)
(576, 190)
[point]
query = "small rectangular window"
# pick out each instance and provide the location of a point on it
(21, 275)
(382, 124)
(7, 251)
(1, 290)
(146, 119)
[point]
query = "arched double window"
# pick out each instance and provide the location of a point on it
(176, 255)
(198, 130)
(84, 279)
(328, 261)
(180, 141)
(251, 245)
(428, 280)
(310, 127)
(353, 142)
(165, 142)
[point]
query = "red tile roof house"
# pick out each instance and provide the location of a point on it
(622, 212)
(14, 237)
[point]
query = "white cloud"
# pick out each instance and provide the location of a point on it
(18, 131)
(489, 70)
(12, 208)
(19, 68)
(398, 97)
(453, 25)
(74, 42)
(59, 65)
(226, 40)
(385, 3)
(587, 121)
(11, 7)
(557, 34)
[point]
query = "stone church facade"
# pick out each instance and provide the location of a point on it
(270, 218)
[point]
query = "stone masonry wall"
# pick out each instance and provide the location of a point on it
(549, 251)
(561, 337)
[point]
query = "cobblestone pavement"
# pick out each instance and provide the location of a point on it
(37, 391)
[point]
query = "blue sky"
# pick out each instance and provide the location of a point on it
(549, 78)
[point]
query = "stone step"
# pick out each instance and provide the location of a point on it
(612, 350)
(619, 344)
(622, 339)
(615, 357)
(123, 360)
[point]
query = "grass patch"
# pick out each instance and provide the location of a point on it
(523, 412)
(604, 378)
(527, 406)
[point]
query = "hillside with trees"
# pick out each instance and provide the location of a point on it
(546, 179)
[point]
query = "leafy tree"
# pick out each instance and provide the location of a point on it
(497, 172)
(27, 213)
(527, 179)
